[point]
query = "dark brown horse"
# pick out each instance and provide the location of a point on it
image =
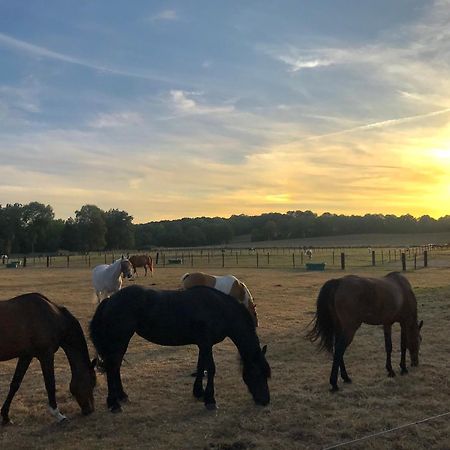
(31, 326)
(142, 261)
(344, 304)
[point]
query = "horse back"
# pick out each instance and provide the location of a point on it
(374, 301)
(29, 324)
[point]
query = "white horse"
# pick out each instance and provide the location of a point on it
(107, 278)
(228, 284)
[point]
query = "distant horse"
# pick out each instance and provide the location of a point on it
(344, 304)
(228, 284)
(107, 278)
(31, 326)
(308, 253)
(142, 261)
(200, 316)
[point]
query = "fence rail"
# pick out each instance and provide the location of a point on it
(285, 257)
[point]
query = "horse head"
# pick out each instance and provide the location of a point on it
(126, 268)
(255, 373)
(414, 340)
(82, 388)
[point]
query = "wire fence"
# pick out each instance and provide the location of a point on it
(319, 258)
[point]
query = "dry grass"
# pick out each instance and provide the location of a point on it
(163, 414)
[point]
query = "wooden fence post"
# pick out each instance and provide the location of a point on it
(48, 261)
(343, 261)
(403, 262)
(425, 258)
(373, 257)
(68, 260)
(257, 259)
(293, 260)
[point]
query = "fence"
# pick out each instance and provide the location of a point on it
(278, 257)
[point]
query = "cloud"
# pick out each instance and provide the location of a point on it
(297, 64)
(165, 15)
(115, 120)
(183, 103)
(42, 52)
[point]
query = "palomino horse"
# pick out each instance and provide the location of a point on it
(228, 284)
(344, 304)
(107, 278)
(142, 261)
(200, 316)
(31, 326)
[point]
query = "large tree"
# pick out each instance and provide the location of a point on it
(90, 220)
(120, 232)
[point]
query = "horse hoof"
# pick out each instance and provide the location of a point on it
(347, 380)
(115, 409)
(124, 399)
(391, 374)
(211, 406)
(199, 395)
(334, 388)
(7, 421)
(404, 372)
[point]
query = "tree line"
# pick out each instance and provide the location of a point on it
(32, 228)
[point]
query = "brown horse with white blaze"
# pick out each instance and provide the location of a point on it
(344, 304)
(144, 261)
(31, 326)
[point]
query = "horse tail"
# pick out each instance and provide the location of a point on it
(324, 324)
(97, 329)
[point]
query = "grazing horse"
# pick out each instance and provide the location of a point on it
(344, 304)
(31, 326)
(200, 316)
(228, 284)
(107, 278)
(142, 261)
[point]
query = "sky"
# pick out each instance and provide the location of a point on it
(170, 109)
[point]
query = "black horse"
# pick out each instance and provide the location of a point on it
(199, 315)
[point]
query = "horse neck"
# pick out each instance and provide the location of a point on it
(75, 347)
(243, 334)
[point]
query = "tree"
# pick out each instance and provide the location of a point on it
(90, 220)
(36, 219)
(120, 232)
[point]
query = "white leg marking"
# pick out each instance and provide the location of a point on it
(55, 413)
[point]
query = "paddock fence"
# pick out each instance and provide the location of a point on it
(320, 258)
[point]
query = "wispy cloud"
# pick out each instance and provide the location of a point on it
(164, 15)
(116, 120)
(42, 52)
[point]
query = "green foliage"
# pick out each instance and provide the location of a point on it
(33, 228)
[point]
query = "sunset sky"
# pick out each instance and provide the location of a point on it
(169, 109)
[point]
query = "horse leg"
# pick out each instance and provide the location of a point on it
(403, 368)
(48, 370)
(339, 349)
(115, 388)
(198, 390)
(21, 368)
(388, 345)
(145, 269)
(344, 374)
(210, 401)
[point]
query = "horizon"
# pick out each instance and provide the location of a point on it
(188, 109)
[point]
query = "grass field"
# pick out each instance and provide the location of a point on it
(162, 413)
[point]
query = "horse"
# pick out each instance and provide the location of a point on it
(228, 284)
(31, 326)
(201, 315)
(344, 304)
(142, 261)
(107, 278)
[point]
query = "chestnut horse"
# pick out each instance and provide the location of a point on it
(31, 326)
(142, 261)
(344, 304)
(228, 284)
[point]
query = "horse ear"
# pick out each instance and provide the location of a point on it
(264, 350)
(420, 324)
(123, 257)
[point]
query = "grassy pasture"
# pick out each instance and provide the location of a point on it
(162, 413)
